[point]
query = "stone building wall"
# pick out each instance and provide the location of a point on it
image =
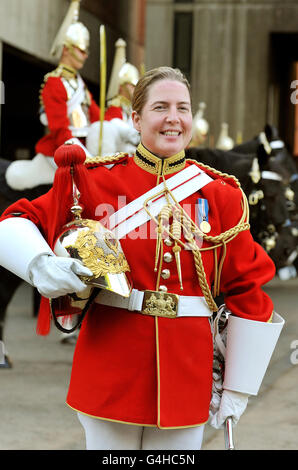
(232, 56)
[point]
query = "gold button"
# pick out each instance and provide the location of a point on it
(168, 242)
(168, 257)
(165, 273)
(163, 288)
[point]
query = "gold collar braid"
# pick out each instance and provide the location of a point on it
(156, 165)
(66, 71)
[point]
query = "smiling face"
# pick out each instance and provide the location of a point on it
(165, 122)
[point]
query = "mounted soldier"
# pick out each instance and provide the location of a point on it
(67, 106)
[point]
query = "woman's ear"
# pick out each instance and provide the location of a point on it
(136, 120)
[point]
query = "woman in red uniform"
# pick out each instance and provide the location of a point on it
(142, 368)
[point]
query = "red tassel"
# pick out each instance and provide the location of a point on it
(69, 154)
(43, 326)
(70, 160)
(66, 157)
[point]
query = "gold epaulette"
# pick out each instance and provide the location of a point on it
(97, 161)
(211, 170)
(60, 71)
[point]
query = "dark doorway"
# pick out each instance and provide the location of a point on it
(22, 76)
(284, 57)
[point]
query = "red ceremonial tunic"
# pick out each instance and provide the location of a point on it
(113, 112)
(155, 371)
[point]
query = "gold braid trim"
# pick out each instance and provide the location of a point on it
(216, 172)
(65, 71)
(221, 240)
(104, 160)
(156, 165)
(189, 236)
(203, 281)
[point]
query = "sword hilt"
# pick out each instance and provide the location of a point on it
(228, 433)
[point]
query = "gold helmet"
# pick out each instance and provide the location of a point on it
(122, 72)
(200, 127)
(72, 33)
(98, 249)
(77, 35)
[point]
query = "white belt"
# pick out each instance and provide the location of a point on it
(162, 304)
(271, 175)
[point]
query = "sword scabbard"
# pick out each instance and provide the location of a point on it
(228, 432)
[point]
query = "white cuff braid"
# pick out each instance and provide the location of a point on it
(55, 276)
(232, 404)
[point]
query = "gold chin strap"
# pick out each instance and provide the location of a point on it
(182, 222)
(73, 53)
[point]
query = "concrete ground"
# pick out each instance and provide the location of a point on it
(32, 394)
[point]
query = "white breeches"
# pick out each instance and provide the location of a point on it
(110, 435)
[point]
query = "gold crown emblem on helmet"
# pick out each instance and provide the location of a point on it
(98, 249)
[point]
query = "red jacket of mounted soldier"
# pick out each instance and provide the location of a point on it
(63, 118)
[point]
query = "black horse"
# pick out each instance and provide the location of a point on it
(282, 162)
(264, 180)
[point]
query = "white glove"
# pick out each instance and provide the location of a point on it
(232, 404)
(55, 276)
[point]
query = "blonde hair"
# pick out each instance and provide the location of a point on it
(141, 90)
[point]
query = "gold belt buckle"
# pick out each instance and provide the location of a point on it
(160, 304)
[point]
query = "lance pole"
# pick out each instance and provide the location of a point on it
(103, 76)
(228, 432)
